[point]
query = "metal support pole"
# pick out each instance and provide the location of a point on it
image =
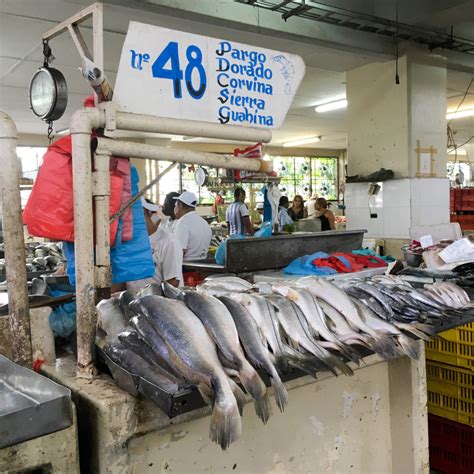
(14, 244)
(149, 123)
(82, 122)
(101, 193)
(153, 152)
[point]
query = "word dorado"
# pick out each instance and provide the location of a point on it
(255, 74)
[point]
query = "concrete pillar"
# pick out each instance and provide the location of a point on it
(401, 127)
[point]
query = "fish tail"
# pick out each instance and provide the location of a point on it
(410, 347)
(251, 381)
(263, 408)
(239, 396)
(332, 362)
(226, 425)
(385, 347)
(281, 395)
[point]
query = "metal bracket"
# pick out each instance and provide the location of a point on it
(110, 110)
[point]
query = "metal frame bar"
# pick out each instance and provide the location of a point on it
(18, 305)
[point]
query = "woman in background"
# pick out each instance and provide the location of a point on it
(297, 210)
(327, 218)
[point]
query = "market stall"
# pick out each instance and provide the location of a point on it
(156, 380)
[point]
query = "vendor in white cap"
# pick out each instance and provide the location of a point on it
(192, 231)
(259, 208)
(167, 255)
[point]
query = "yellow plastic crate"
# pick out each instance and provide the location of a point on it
(455, 347)
(450, 392)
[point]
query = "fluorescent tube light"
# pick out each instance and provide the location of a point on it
(334, 105)
(460, 114)
(64, 131)
(302, 141)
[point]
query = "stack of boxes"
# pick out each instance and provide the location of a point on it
(450, 380)
(462, 207)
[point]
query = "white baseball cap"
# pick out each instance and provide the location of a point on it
(149, 206)
(259, 206)
(187, 198)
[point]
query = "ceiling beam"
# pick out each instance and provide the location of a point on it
(244, 17)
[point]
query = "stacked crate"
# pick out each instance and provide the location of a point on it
(450, 381)
(462, 207)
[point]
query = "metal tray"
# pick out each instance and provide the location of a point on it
(30, 405)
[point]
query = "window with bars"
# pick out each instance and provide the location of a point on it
(307, 175)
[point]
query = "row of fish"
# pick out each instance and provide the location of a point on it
(228, 331)
(39, 258)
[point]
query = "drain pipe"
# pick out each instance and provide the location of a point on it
(82, 123)
(17, 288)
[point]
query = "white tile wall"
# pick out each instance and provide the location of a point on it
(401, 204)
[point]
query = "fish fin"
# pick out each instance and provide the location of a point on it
(239, 396)
(385, 347)
(279, 389)
(332, 361)
(226, 424)
(417, 331)
(206, 393)
(410, 347)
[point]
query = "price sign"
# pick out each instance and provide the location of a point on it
(169, 73)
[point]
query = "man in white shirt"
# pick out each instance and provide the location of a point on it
(167, 255)
(310, 206)
(192, 231)
(237, 215)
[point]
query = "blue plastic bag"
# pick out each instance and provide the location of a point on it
(265, 230)
(221, 251)
(304, 266)
(62, 320)
(131, 260)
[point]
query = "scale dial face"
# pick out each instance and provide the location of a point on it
(200, 176)
(48, 94)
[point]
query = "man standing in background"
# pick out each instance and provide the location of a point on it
(237, 215)
(192, 231)
(167, 255)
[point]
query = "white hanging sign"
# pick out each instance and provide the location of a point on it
(169, 73)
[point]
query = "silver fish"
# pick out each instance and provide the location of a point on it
(133, 363)
(194, 355)
(131, 340)
(256, 351)
(286, 312)
(125, 298)
(221, 327)
(314, 315)
(150, 289)
(110, 318)
(170, 291)
(147, 333)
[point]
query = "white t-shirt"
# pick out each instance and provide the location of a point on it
(310, 207)
(168, 224)
(194, 235)
(167, 257)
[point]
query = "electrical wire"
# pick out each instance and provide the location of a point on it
(463, 98)
(397, 77)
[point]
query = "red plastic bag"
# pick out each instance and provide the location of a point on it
(49, 212)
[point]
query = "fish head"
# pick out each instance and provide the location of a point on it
(286, 291)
